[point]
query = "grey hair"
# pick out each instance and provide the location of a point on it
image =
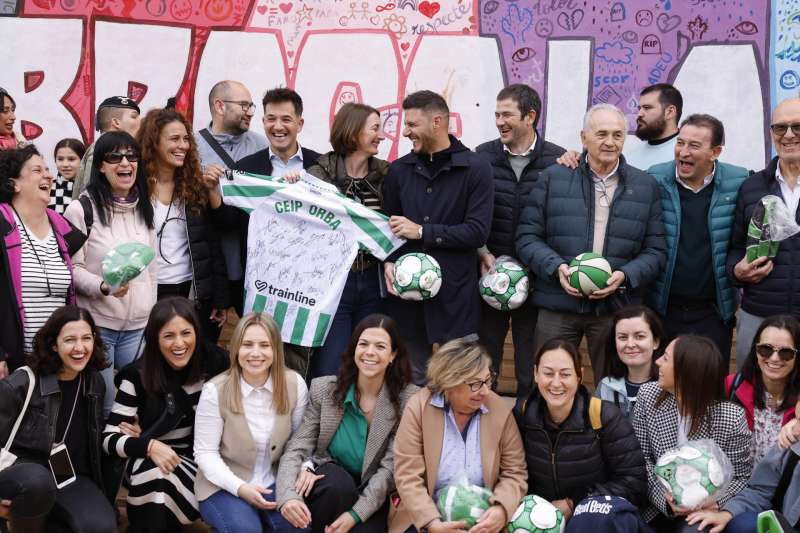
(603, 107)
(454, 362)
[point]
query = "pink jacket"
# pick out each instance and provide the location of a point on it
(125, 225)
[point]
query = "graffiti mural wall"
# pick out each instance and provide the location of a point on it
(732, 58)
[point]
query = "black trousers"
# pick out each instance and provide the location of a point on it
(36, 504)
(210, 329)
(335, 494)
(492, 333)
(702, 320)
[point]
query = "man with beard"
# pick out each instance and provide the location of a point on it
(440, 198)
(660, 108)
(517, 157)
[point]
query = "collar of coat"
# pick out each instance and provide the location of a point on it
(459, 155)
(501, 156)
(578, 419)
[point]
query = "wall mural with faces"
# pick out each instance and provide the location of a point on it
(731, 58)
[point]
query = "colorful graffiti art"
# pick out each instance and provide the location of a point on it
(66, 55)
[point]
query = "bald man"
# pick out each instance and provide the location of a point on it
(770, 287)
(227, 140)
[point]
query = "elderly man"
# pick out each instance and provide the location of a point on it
(603, 206)
(227, 140)
(770, 287)
(698, 193)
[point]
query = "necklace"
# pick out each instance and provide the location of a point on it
(35, 253)
(74, 403)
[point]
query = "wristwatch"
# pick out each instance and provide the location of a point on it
(420, 232)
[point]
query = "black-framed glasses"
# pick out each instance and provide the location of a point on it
(781, 129)
(247, 107)
(112, 158)
(475, 386)
(784, 352)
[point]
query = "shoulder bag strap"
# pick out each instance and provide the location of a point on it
(595, 413)
(31, 385)
(218, 149)
(88, 213)
(737, 380)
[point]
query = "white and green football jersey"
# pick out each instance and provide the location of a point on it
(302, 240)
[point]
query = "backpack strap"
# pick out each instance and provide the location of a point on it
(737, 380)
(786, 478)
(88, 212)
(218, 149)
(595, 413)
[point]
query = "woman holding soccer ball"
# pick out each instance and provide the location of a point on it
(576, 446)
(688, 403)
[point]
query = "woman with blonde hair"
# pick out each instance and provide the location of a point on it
(468, 430)
(244, 419)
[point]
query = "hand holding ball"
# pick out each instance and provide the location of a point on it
(589, 272)
(417, 276)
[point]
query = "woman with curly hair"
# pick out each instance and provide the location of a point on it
(187, 246)
(63, 417)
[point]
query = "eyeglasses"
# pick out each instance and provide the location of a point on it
(784, 352)
(247, 107)
(601, 188)
(781, 129)
(475, 386)
(112, 158)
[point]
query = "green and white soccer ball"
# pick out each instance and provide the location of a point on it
(536, 515)
(506, 286)
(589, 272)
(417, 276)
(463, 503)
(691, 473)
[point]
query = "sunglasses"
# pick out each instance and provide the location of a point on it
(784, 352)
(112, 158)
(781, 129)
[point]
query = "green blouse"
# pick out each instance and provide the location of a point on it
(350, 441)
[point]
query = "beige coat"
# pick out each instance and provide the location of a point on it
(418, 448)
(125, 225)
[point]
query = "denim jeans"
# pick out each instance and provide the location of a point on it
(361, 297)
(226, 513)
(122, 348)
(743, 523)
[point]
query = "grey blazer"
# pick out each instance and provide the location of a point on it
(320, 422)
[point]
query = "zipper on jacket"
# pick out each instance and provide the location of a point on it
(191, 259)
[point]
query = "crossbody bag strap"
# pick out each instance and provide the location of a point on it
(218, 149)
(31, 384)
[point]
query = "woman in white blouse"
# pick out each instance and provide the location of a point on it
(244, 418)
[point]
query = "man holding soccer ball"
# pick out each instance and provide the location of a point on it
(604, 206)
(440, 199)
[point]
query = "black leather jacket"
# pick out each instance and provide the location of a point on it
(36, 434)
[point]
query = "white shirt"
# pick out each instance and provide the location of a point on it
(260, 415)
(280, 169)
(790, 196)
(526, 152)
(172, 243)
(706, 181)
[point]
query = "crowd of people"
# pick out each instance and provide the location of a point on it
(105, 386)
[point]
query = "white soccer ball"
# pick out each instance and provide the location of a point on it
(417, 276)
(506, 286)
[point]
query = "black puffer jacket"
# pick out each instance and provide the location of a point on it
(580, 461)
(557, 224)
(510, 194)
(778, 293)
(208, 264)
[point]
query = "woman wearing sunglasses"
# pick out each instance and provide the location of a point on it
(110, 211)
(457, 427)
(768, 384)
(187, 246)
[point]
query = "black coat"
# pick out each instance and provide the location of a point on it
(454, 207)
(778, 293)
(227, 217)
(557, 224)
(208, 264)
(580, 461)
(11, 331)
(36, 434)
(510, 193)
